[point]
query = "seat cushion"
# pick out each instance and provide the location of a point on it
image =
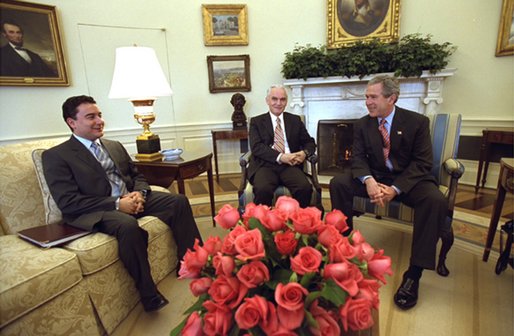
(31, 276)
(97, 251)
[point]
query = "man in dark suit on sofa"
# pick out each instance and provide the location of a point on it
(17, 61)
(280, 144)
(392, 159)
(98, 188)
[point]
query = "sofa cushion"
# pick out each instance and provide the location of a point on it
(31, 276)
(52, 213)
(97, 251)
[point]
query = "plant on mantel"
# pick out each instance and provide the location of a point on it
(407, 58)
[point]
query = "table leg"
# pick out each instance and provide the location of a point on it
(215, 149)
(181, 186)
(486, 164)
(481, 162)
(211, 194)
(495, 218)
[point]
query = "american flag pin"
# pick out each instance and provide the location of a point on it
(399, 132)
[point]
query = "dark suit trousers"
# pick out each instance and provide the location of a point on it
(267, 179)
(174, 210)
(430, 212)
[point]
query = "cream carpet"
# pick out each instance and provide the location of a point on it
(473, 300)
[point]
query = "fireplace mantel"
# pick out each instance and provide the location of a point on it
(344, 98)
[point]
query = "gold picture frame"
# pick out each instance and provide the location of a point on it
(225, 25)
(347, 23)
(40, 44)
(229, 73)
(505, 43)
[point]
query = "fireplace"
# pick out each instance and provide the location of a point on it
(334, 139)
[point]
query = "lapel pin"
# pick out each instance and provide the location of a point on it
(399, 132)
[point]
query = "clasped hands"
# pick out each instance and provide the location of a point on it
(293, 159)
(132, 203)
(379, 193)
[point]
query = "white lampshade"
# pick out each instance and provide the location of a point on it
(138, 75)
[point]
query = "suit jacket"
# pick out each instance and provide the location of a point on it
(12, 64)
(79, 184)
(262, 137)
(410, 154)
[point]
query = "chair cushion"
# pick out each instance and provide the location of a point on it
(97, 251)
(52, 212)
(37, 276)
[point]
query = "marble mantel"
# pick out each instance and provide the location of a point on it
(344, 98)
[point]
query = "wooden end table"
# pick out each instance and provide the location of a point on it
(187, 166)
(505, 183)
(228, 134)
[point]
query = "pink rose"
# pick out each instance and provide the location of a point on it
(259, 212)
(357, 237)
(346, 275)
(368, 289)
(249, 245)
(275, 220)
(228, 246)
(224, 265)
(328, 235)
(337, 219)
(290, 296)
(285, 242)
(227, 217)
(200, 286)
(287, 205)
(257, 311)
(356, 314)
(306, 221)
(212, 245)
(227, 291)
(193, 325)
(380, 265)
(253, 274)
(307, 260)
(290, 319)
(365, 251)
(193, 262)
(218, 319)
(341, 250)
(327, 325)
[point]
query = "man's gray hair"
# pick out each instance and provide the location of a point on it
(275, 86)
(390, 85)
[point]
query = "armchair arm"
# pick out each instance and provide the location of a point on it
(313, 160)
(243, 162)
(455, 169)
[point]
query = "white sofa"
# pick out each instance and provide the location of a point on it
(81, 288)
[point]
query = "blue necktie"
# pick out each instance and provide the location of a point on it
(117, 185)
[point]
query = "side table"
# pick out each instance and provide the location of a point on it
(490, 136)
(187, 166)
(228, 134)
(505, 183)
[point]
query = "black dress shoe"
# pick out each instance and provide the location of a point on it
(407, 295)
(154, 303)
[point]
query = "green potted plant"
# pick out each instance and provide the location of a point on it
(407, 57)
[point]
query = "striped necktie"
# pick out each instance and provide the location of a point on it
(118, 187)
(385, 138)
(278, 142)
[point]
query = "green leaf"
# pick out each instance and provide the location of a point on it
(176, 331)
(311, 297)
(197, 306)
(333, 293)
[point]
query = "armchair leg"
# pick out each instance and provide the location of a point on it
(447, 242)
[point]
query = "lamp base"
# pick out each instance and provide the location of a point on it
(148, 148)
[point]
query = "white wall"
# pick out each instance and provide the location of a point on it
(481, 89)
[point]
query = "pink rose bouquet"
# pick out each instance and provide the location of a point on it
(282, 271)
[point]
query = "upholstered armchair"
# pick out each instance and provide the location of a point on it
(445, 132)
(245, 191)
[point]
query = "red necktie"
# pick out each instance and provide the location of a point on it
(385, 138)
(279, 138)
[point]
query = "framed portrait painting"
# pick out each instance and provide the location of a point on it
(505, 43)
(225, 25)
(31, 53)
(349, 21)
(229, 73)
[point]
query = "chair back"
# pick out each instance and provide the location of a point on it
(445, 133)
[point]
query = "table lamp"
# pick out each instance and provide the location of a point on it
(138, 76)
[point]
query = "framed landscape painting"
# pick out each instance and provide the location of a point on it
(229, 73)
(349, 21)
(225, 25)
(31, 53)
